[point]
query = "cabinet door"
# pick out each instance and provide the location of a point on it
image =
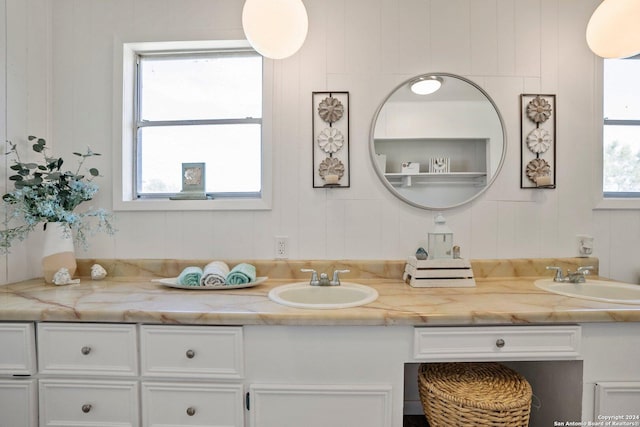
(192, 404)
(618, 399)
(88, 403)
(17, 341)
(18, 405)
(284, 405)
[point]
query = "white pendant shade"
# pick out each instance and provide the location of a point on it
(614, 29)
(275, 28)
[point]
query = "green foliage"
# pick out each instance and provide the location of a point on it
(44, 192)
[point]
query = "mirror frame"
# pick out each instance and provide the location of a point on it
(372, 151)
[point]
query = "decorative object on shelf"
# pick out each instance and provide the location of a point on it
(193, 182)
(45, 193)
(538, 140)
(421, 254)
(98, 272)
(330, 144)
(440, 240)
(410, 167)
(330, 140)
(330, 109)
(538, 144)
(439, 164)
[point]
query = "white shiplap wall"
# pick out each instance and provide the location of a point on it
(365, 47)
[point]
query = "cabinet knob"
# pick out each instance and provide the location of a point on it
(191, 411)
(499, 343)
(191, 354)
(85, 350)
(86, 408)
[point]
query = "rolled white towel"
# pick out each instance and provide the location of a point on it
(214, 273)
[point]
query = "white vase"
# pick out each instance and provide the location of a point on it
(58, 250)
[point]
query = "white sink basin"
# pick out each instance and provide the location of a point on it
(597, 290)
(303, 295)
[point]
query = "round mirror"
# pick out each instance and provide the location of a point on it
(437, 141)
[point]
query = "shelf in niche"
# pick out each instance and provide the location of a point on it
(451, 178)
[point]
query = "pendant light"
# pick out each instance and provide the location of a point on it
(613, 30)
(275, 28)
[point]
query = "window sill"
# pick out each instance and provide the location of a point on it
(611, 203)
(191, 205)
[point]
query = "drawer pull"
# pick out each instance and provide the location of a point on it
(191, 354)
(499, 343)
(85, 350)
(86, 408)
(191, 411)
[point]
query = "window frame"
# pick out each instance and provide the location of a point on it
(126, 107)
(609, 200)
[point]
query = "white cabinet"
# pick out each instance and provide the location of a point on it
(320, 405)
(87, 349)
(18, 398)
(88, 403)
(194, 353)
(102, 356)
(192, 404)
(611, 371)
(481, 343)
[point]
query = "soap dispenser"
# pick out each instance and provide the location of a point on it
(440, 240)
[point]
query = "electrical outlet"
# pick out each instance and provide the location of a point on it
(282, 247)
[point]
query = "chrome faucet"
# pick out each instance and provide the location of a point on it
(323, 280)
(577, 276)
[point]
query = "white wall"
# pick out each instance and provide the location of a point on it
(366, 47)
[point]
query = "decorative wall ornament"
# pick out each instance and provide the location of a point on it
(330, 143)
(538, 146)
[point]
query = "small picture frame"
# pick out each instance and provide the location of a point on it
(193, 182)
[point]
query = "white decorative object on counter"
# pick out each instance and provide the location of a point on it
(410, 167)
(63, 277)
(439, 165)
(98, 272)
(438, 273)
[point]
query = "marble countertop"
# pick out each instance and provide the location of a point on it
(505, 294)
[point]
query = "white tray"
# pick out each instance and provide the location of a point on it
(172, 282)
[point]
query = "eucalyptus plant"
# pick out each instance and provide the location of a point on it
(44, 192)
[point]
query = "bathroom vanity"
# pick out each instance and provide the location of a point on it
(128, 352)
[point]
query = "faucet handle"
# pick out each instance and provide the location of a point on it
(558, 277)
(314, 276)
(584, 270)
(336, 277)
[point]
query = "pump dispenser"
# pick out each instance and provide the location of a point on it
(440, 240)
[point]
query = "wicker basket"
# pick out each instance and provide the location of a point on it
(473, 394)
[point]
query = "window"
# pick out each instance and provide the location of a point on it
(621, 128)
(197, 107)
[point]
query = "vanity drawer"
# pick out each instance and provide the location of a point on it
(450, 344)
(87, 349)
(88, 403)
(192, 351)
(18, 355)
(192, 404)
